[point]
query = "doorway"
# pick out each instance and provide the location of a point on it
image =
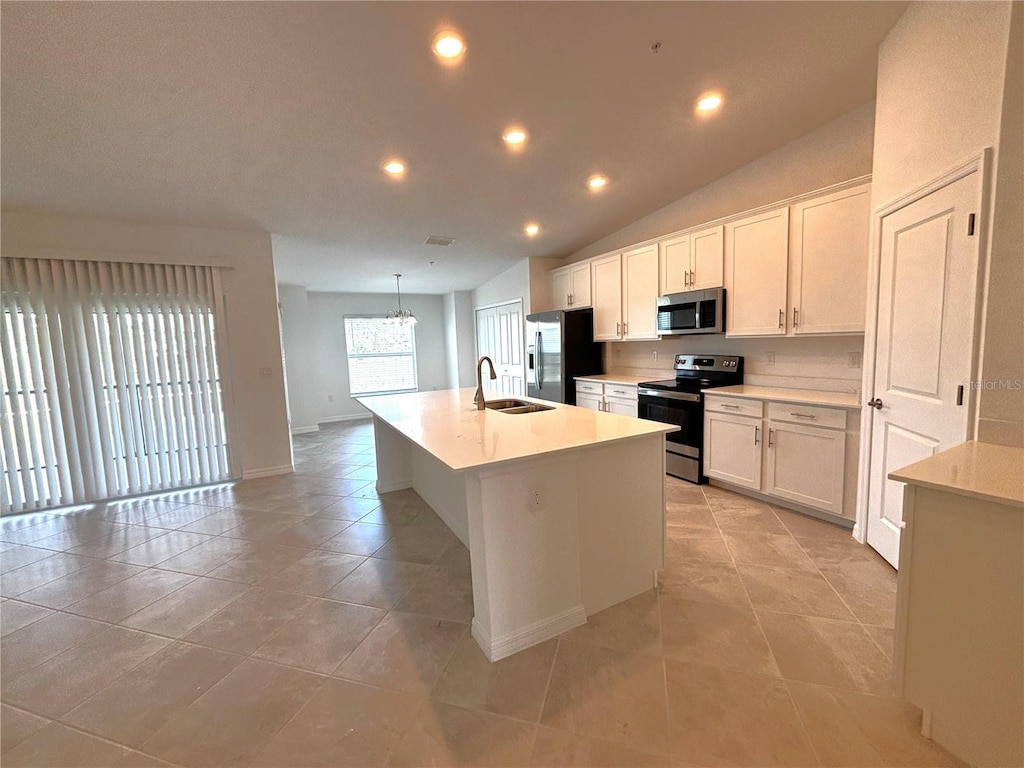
(499, 335)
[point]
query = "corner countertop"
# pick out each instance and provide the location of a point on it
(628, 379)
(977, 470)
(787, 395)
(447, 425)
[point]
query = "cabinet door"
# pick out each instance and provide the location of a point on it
(561, 287)
(828, 263)
(707, 258)
(806, 465)
(756, 261)
(621, 406)
(674, 255)
(606, 294)
(640, 293)
(579, 285)
(732, 449)
(587, 400)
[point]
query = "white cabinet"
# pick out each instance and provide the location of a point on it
(624, 289)
(692, 262)
(570, 286)
(794, 452)
(756, 264)
(828, 262)
(609, 396)
(732, 448)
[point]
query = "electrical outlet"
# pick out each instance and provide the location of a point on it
(769, 358)
(654, 354)
(854, 357)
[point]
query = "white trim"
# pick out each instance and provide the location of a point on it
(981, 163)
(305, 430)
(346, 417)
(81, 254)
(545, 629)
(252, 474)
(394, 485)
(518, 300)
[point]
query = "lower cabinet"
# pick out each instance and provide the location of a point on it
(607, 396)
(791, 452)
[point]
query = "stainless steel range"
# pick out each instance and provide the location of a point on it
(679, 401)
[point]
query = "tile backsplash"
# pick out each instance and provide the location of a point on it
(829, 363)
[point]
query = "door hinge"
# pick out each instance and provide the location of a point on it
(970, 225)
(960, 395)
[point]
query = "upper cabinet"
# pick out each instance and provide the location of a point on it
(570, 286)
(828, 262)
(692, 262)
(756, 262)
(625, 295)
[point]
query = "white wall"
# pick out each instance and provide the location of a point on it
(837, 151)
(460, 338)
(316, 355)
(262, 440)
(513, 283)
(942, 74)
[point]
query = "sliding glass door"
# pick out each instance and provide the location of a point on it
(111, 381)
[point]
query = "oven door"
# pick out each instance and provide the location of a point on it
(686, 411)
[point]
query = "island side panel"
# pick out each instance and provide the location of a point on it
(394, 457)
(443, 489)
(524, 539)
(622, 519)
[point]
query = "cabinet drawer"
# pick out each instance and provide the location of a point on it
(623, 391)
(593, 387)
(733, 405)
(811, 415)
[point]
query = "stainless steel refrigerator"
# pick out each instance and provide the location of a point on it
(560, 346)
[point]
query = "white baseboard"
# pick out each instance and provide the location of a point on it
(305, 430)
(252, 474)
(349, 417)
(394, 485)
(538, 632)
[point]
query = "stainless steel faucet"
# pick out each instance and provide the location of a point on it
(478, 398)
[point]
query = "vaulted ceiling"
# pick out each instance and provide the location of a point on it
(277, 116)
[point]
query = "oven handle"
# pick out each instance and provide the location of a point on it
(687, 396)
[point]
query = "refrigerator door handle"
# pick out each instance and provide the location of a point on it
(540, 364)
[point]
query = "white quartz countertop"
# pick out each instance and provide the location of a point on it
(978, 470)
(788, 395)
(621, 378)
(446, 424)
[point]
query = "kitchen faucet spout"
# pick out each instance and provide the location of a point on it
(478, 398)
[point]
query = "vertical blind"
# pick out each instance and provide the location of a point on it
(111, 383)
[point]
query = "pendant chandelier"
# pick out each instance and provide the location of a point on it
(400, 316)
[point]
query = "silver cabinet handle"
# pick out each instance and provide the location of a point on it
(726, 405)
(757, 435)
(782, 317)
(803, 415)
(572, 298)
(618, 329)
(771, 432)
(875, 403)
(796, 317)
(686, 278)
(693, 278)
(624, 329)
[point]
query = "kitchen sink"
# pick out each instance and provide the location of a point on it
(516, 406)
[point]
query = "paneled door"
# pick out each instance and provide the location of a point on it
(925, 344)
(499, 335)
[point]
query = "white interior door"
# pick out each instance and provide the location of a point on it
(499, 335)
(925, 345)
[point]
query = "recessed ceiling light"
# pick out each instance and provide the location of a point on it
(448, 45)
(532, 229)
(515, 136)
(709, 103)
(394, 167)
(597, 182)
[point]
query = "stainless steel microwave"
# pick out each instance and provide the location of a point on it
(692, 312)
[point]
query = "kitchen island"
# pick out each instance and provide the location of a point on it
(563, 510)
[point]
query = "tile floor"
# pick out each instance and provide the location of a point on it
(303, 620)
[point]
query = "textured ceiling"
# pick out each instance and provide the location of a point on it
(277, 116)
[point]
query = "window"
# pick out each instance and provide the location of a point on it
(381, 356)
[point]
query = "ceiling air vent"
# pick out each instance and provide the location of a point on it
(438, 240)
